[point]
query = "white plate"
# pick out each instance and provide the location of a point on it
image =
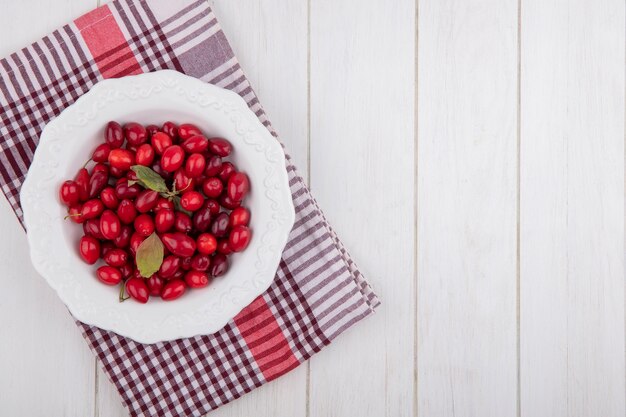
(67, 142)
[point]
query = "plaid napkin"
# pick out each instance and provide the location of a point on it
(318, 292)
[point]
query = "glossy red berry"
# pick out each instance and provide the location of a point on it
(97, 182)
(108, 198)
(191, 200)
(212, 187)
(164, 220)
(109, 275)
(239, 217)
(69, 193)
(219, 265)
(116, 257)
(100, 167)
(144, 225)
(75, 214)
(91, 227)
(195, 164)
(173, 290)
(187, 130)
(169, 266)
(160, 142)
(213, 206)
(114, 135)
(170, 129)
(238, 186)
(220, 225)
(239, 238)
(82, 180)
(195, 144)
(202, 219)
(126, 211)
(182, 222)
(164, 203)
(227, 170)
(200, 262)
(220, 147)
(110, 225)
(196, 279)
(152, 130)
(101, 153)
(144, 155)
(135, 240)
(182, 181)
(121, 159)
(223, 247)
(155, 285)
(206, 243)
(146, 201)
(105, 247)
(138, 290)
(92, 209)
(123, 239)
(213, 166)
(179, 244)
(172, 158)
(135, 134)
(229, 203)
(89, 249)
(125, 191)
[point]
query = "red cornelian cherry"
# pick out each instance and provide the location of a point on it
(223, 247)
(219, 265)
(187, 130)
(97, 182)
(126, 211)
(138, 290)
(220, 147)
(152, 130)
(135, 240)
(212, 187)
(220, 225)
(213, 206)
(155, 285)
(213, 166)
(182, 181)
(160, 142)
(92, 209)
(82, 180)
(201, 220)
(89, 249)
(135, 134)
(75, 214)
(164, 220)
(116, 257)
(146, 201)
(238, 186)
(195, 164)
(169, 266)
(239, 217)
(206, 243)
(69, 193)
(195, 144)
(109, 275)
(110, 225)
(121, 159)
(114, 135)
(164, 203)
(91, 227)
(226, 171)
(144, 225)
(172, 158)
(191, 200)
(239, 238)
(100, 167)
(101, 153)
(108, 198)
(105, 247)
(200, 262)
(172, 290)
(182, 222)
(123, 190)
(185, 263)
(170, 129)
(196, 279)
(229, 203)
(123, 239)
(179, 244)
(144, 155)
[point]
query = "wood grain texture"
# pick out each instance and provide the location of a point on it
(45, 366)
(362, 170)
(467, 194)
(572, 209)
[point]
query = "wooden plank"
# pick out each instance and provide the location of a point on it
(467, 197)
(572, 209)
(362, 171)
(46, 366)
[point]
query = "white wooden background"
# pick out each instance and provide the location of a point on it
(477, 147)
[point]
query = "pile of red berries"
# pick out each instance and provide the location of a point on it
(161, 207)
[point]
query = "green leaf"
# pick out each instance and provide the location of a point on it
(149, 256)
(149, 179)
(177, 206)
(132, 182)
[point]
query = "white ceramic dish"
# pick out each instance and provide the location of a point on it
(68, 141)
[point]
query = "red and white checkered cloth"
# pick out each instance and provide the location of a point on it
(318, 292)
